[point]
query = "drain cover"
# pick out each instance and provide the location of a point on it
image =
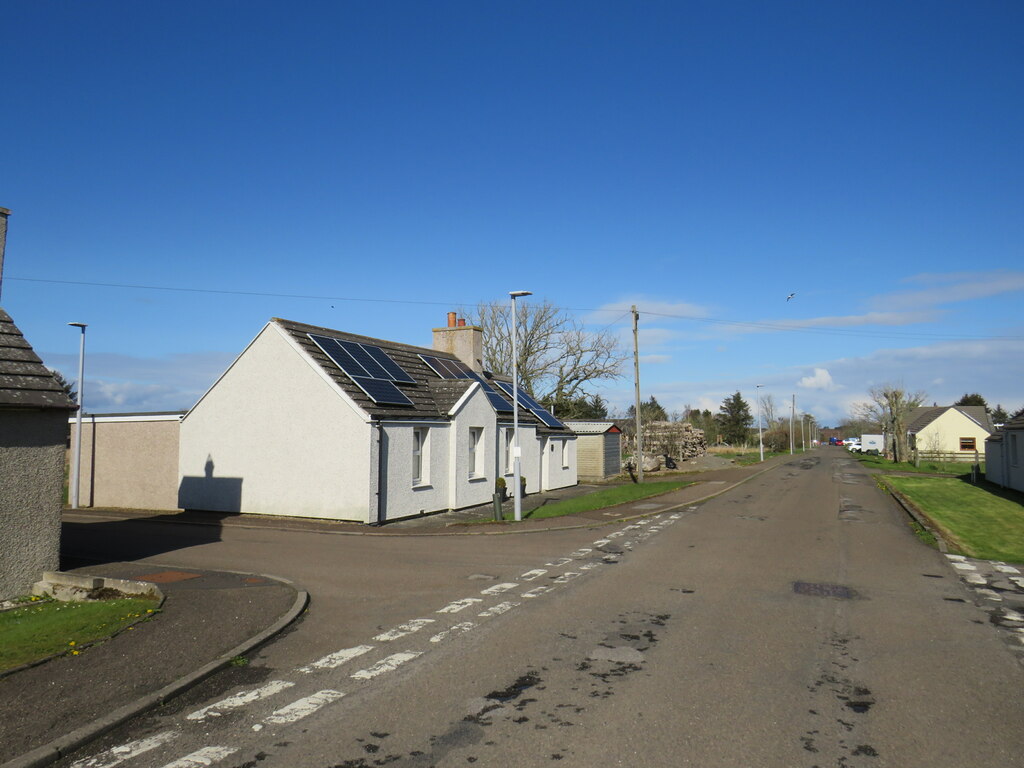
(823, 590)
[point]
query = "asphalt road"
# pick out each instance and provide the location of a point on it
(794, 621)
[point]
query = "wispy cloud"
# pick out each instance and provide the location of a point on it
(953, 287)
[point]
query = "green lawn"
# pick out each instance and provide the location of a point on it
(609, 497)
(39, 630)
(981, 520)
(927, 467)
(746, 458)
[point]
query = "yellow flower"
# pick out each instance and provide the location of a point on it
(74, 653)
(71, 643)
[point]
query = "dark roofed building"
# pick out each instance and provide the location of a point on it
(33, 438)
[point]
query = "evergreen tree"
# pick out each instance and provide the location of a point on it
(972, 399)
(650, 410)
(69, 388)
(1000, 416)
(734, 419)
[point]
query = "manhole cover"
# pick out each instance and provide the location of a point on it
(824, 590)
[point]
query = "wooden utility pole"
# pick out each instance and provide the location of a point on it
(636, 377)
(792, 415)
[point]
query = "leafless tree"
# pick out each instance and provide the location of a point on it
(558, 357)
(768, 411)
(890, 406)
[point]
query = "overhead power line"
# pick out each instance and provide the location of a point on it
(751, 324)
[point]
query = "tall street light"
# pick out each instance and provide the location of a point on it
(516, 453)
(76, 461)
(760, 438)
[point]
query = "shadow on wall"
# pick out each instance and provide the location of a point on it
(210, 493)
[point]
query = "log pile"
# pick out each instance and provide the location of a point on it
(679, 440)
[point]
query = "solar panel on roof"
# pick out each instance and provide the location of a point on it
(447, 369)
(365, 365)
(532, 405)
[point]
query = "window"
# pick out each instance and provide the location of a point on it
(508, 451)
(476, 452)
(565, 454)
(420, 456)
(968, 444)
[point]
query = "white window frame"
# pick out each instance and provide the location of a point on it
(476, 452)
(421, 455)
(565, 454)
(509, 434)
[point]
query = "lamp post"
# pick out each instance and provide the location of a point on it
(76, 461)
(516, 453)
(760, 438)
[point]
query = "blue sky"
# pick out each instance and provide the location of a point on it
(396, 160)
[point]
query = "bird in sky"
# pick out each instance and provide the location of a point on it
(790, 296)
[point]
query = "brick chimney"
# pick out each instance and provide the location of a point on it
(4, 213)
(466, 342)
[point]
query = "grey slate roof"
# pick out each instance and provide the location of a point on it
(432, 396)
(24, 381)
(922, 417)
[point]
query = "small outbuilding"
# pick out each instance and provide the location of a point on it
(33, 440)
(1003, 455)
(599, 448)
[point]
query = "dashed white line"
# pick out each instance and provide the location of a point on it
(531, 575)
(497, 589)
(498, 609)
(536, 592)
(303, 707)
(602, 542)
(402, 630)
(203, 757)
(459, 605)
(581, 552)
(1003, 568)
(122, 752)
(589, 566)
(388, 664)
(240, 700)
(456, 629)
(616, 534)
(565, 577)
(559, 562)
(964, 566)
(336, 659)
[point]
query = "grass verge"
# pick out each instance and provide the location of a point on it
(982, 520)
(746, 458)
(40, 630)
(609, 497)
(926, 468)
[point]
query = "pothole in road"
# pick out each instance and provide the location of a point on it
(818, 589)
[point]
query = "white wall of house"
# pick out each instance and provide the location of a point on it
(946, 432)
(558, 463)
(472, 451)
(407, 494)
(276, 436)
(530, 461)
(1004, 464)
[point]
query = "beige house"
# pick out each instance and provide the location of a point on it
(1004, 463)
(954, 432)
(599, 448)
(33, 437)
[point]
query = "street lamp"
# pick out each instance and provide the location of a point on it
(516, 453)
(760, 438)
(76, 461)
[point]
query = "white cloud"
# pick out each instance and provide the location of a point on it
(954, 287)
(821, 379)
(655, 359)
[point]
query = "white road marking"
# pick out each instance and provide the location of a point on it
(974, 578)
(531, 575)
(559, 562)
(602, 542)
(122, 752)
(589, 566)
(303, 707)
(964, 567)
(402, 630)
(677, 515)
(498, 609)
(389, 664)
(497, 589)
(956, 558)
(336, 659)
(457, 629)
(990, 594)
(1002, 568)
(536, 592)
(459, 605)
(240, 700)
(565, 577)
(632, 527)
(203, 757)
(616, 534)
(581, 552)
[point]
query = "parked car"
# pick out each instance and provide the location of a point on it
(852, 444)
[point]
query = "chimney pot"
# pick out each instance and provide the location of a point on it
(462, 322)
(451, 319)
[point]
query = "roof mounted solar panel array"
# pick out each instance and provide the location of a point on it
(532, 405)
(369, 367)
(456, 369)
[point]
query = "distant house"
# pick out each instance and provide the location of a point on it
(315, 422)
(599, 448)
(33, 438)
(957, 432)
(1004, 460)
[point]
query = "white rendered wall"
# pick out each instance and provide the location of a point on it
(274, 437)
(555, 475)
(466, 491)
(945, 432)
(403, 496)
(529, 463)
